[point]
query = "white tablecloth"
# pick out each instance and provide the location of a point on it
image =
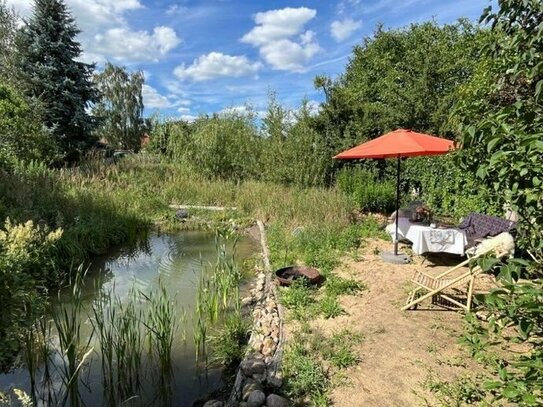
(426, 239)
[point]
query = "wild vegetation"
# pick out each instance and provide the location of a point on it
(62, 202)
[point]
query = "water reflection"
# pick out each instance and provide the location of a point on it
(173, 262)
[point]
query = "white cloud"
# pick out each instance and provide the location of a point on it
(106, 33)
(188, 117)
(176, 9)
(153, 99)
(274, 36)
(288, 55)
(183, 110)
(122, 44)
(216, 64)
(343, 29)
(278, 24)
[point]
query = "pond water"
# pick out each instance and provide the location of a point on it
(175, 262)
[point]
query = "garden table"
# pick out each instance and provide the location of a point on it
(430, 239)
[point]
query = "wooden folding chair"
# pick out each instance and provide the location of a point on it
(435, 287)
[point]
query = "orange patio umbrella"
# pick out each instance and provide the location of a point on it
(397, 144)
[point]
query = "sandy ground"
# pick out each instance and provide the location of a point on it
(400, 348)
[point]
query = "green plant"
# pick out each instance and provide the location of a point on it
(369, 193)
(230, 340)
(305, 375)
(460, 392)
(338, 349)
(330, 307)
(336, 285)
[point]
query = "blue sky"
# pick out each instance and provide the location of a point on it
(207, 56)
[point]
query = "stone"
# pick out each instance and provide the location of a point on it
(259, 377)
(246, 301)
(275, 381)
(250, 386)
(213, 403)
(273, 400)
(257, 398)
(182, 214)
(253, 366)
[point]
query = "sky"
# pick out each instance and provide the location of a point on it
(201, 57)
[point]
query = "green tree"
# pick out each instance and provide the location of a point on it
(21, 134)
(400, 78)
(8, 31)
(120, 108)
(501, 116)
(50, 72)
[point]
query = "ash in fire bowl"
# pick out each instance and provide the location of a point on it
(287, 275)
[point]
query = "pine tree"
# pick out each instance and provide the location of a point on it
(51, 73)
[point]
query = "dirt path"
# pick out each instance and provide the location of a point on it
(399, 349)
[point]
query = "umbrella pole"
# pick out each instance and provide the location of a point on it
(397, 205)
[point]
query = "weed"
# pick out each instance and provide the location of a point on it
(457, 393)
(330, 307)
(229, 342)
(338, 286)
(306, 375)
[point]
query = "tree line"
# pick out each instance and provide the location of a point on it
(56, 107)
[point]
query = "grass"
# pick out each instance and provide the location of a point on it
(312, 360)
(230, 341)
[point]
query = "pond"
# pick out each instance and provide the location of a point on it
(174, 263)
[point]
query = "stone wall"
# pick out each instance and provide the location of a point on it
(259, 374)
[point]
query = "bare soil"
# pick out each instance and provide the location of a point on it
(401, 349)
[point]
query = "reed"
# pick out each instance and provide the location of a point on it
(121, 344)
(162, 325)
(74, 345)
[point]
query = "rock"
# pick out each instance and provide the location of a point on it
(213, 403)
(273, 400)
(259, 377)
(182, 214)
(257, 398)
(246, 301)
(275, 381)
(253, 366)
(250, 386)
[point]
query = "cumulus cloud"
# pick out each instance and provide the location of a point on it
(216, 64)
(279, 36)
(107, 35)
(343, 29)
(153, 99)
(122, 44)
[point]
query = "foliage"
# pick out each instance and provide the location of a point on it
(448, 189)
(8, 31)
(230, 341)
(21, 134)
(120, 107)
(305, 375)
(47, 54)
(518, 305)
(224, 146)
(25, 250)
(502, 116)
(400, 78)
(312, 360)
(368, 192)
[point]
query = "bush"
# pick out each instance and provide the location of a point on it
(369, 193)
(25, 267)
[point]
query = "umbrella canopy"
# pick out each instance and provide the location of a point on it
(396, 144)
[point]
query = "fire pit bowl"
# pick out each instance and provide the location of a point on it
(287, 275)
